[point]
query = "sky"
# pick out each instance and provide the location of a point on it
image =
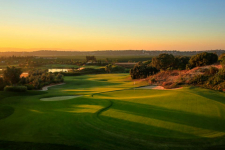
(87, 25)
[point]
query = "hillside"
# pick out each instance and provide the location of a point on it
(198, 76)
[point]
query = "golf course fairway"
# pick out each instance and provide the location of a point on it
(112, 114)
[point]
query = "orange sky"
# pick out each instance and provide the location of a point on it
(73, 25)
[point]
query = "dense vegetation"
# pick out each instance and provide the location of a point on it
(142, 70)
(161, 62)
(202, 59)
(15, 88)
(212, 78)
(12, 75)
(36, 79)
(168, 61)
(39, 78)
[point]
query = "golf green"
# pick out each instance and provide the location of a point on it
(112, 114)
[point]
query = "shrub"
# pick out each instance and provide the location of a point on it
(213, 70)
(222, 56)
(199, 79)
(15, 88)
(170, 85)
(29, 86)
(223, 62)
(221, 73)
(204, 70)
(118, 69)
(153, 80)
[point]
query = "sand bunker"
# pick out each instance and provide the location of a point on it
(154, 87)
(59, 98)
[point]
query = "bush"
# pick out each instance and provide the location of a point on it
(170, 85)
(222, 56)
(153, 80)
(118, 69)
(199, 79)
(213, 70)
(15, 88)
(29, 86)
(222, 62)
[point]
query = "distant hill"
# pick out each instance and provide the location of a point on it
(108, 53)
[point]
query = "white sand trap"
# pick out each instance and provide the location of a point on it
(59, 98)
(154, 87)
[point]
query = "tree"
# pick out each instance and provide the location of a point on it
(108, 68)
(12, 75)
(202, 59)
(181, 62)
(163, 61)
(141, 70)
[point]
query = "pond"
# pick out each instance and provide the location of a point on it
(57, 70)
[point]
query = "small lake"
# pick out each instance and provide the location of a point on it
(57, 70)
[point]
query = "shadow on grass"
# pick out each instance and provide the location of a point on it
(10, 145)
(6, 111)
(209, 94)
(170, 115)
(159, 138)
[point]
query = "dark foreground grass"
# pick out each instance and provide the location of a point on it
(111, 114)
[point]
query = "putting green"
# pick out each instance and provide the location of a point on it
(113, 114)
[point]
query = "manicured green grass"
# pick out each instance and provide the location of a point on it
(94, 67)
(112, 114)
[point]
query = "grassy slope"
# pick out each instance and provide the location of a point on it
(112, 115)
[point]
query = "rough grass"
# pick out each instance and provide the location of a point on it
(112, 114)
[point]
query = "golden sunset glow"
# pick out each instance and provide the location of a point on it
(69, 27)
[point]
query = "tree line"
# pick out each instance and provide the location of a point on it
(35, 80)
(170, 62)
